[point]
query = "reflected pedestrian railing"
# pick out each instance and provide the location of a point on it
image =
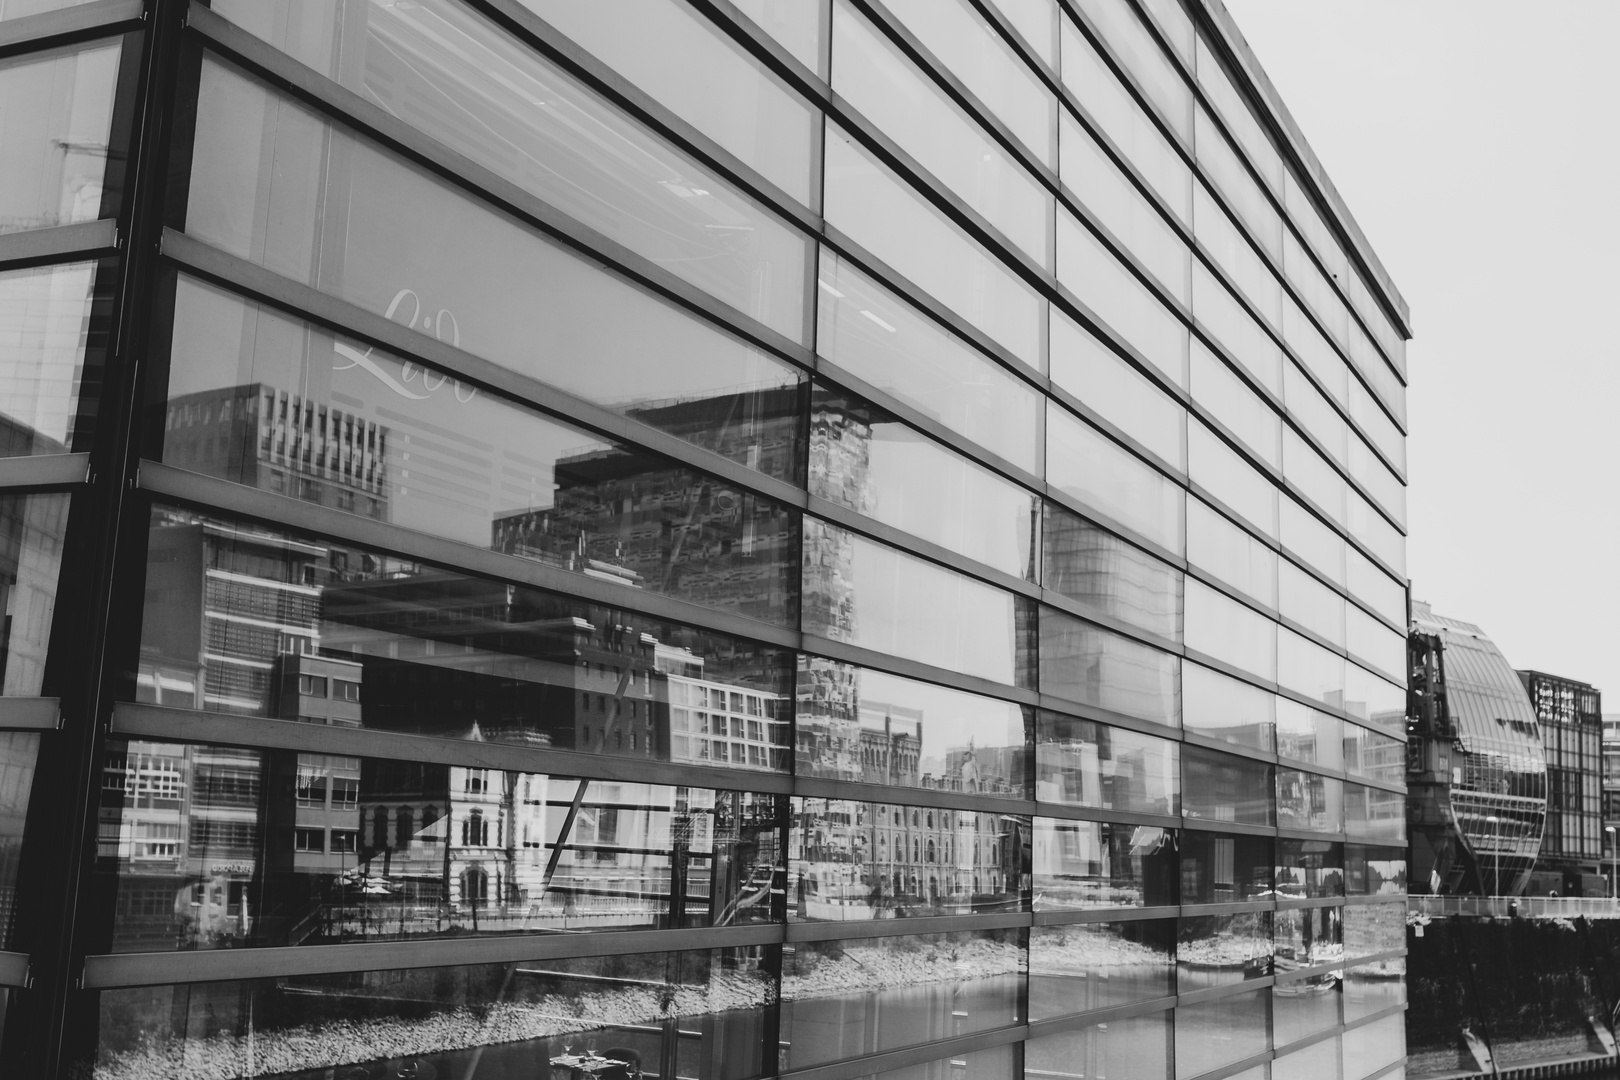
(1525, 907)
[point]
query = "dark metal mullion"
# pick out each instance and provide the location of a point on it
(66, 26)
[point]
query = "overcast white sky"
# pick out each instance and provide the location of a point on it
(1477, 143)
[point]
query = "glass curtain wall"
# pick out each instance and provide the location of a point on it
(990, 666)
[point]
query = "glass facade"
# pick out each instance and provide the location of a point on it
(992, 666)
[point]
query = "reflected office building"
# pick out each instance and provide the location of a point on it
(886, 559)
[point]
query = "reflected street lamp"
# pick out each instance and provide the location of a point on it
(1496, 848)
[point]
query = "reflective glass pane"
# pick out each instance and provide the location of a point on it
(1370, 1047)
(1313, 349)
(467, 275)
(216, 848)
(1318, 1061)
(680, 1013)
(1303, 534)
(1219, 469)
(843, 999)
(993, 1063)
(1096, 667)
(1309, 801)
(1375, 643)
(458, 77)
(1309, 869)
(1375, 588)
(1304, 1007)
(1375, 478)
(1311, 604)
(896, 224)
(878, 597)
(1221, 869)
(1135, 222)
(1225, 787)
(1084, 763)
(1217, 950)
(282, 624)
(795, 25)
(1316, 738)
(1036, 21)
(1218, 706)
(1230, 553)
(1370, 929)
(876, 336)
(860, 860)
(1230, 249)
(1374, 870)
(1093, 864)
(1375, 533)
(1218, 626)
(1303, 212)
(1139, 1047)
(1374, 698)
(858, 724)
(1376, 425)
(1084, 966)
(1118, 298)
(737, 103)
(1090, 565)
(1375, 756)
(46, 356)
(914, 111)
(1214, 1033)
(1118, 24)
(967, 47)
(1219, 314)
(286, 406)
(1314, 477)
(32, 530)
(1234, 111)
(1249, 204)
(1104, 476)
(1113, 389)
(56, 129)
(1311, 411)
(1125, 124)
(1370, 988)
(1246, 415)
(1306, 668)
(1313, 288)
(866, 460)
(19, 752)
(1374, 814)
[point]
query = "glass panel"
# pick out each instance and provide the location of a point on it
(965, 45)
(1311, 411)
(1229, 553)
(1311, 604)
(843, 999)
(860, 860)
(19, 751)
(1318, 1061)
(1085, 966)
(1234, 112)
(1139, 54)
(858, 724)
(1225, 475)
(1246, 415)
(1376, 534)
(1303, 534)
(1309, 801)
(1374, 814)
(1224, 787)
(1375, 588)
(1306, 668)
(459, 78)
(698, 1013)
(872, 334)
(1375, 643)
(1369, 697)
(1303, 213)
(46, 357)
(1117, 392)
(1139, 1047)
(1226, 244)
(995, 1063)
(1096, 667)
(1096, 864)
(1314, 351)
(1220, 627)
(213, 848)
(1376, 425)
(883, 214)
(468, 275)
(56, 129)
(1124, 122)
(1375, 756)
(1136, 223)
(1372, 1046)
(1214, 1033)
(1119, 299)
(1319, 296)
(1219, 314)
(913, 111)
(1090, 565)
(866, 460)
(1315, 738)
(1385, 488)
(1092, 468)
(1387, 387)
(1374, 871)
(1249, 204)
(1222, 869)
(877, 597)
(795, 25)
(1311, 474)
(1084, 763)
(32, 530)
(285, 406)
(1036, 21)
(1304, 1007)
(1218, 706)
(737, 103)
(1217, 950)
(434, 652)
(1310, 869)
(1370, 988)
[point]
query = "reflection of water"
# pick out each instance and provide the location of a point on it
(835, 1026)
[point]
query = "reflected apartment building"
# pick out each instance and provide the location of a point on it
(885, 559)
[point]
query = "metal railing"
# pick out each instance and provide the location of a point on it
(1527, 907)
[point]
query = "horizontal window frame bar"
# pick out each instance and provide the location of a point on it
(1216, 993)
(1206, 742)
(112, 971)
(58, 243)
(828, 649)
(1234, 828)
(1076, 916)
(44, 471)
(30, 713)
(1373, 958)
(1057, 1025)
(1376, 898)
(879, 928)
(1285, 833)
(915, 1055)
(1315, 971)
(1374, 1017)
(815, 787)
(1306, 902)
(1234, 907)
(1064, 812)
(1235, 1068)
(1386, 1070)
(14, 973)
(65, 26)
